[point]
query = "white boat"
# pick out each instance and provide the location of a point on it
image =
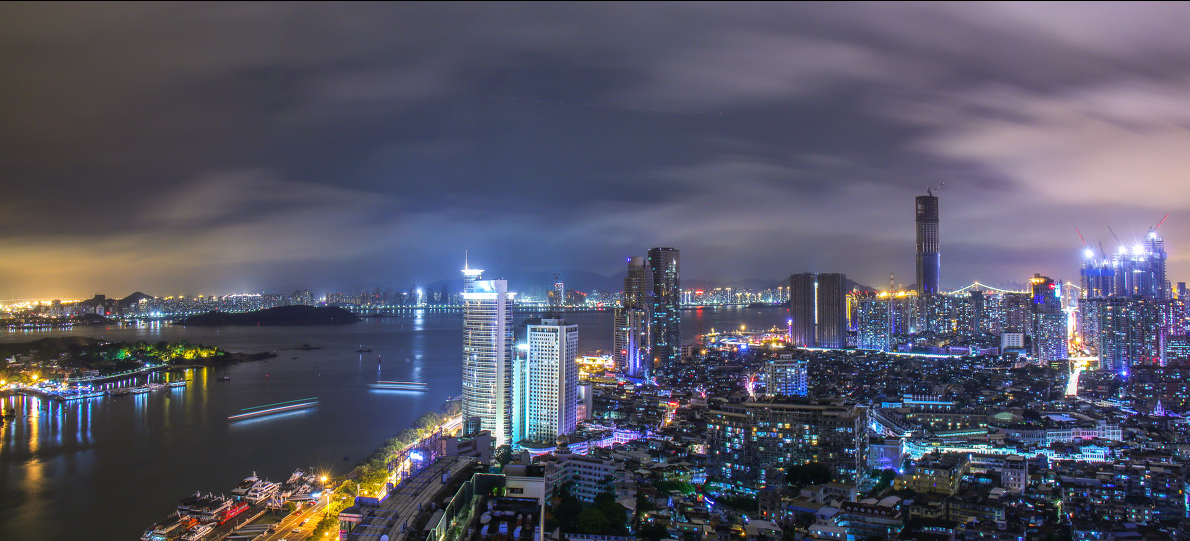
(179, 383)
(140, 390)
(198, 532)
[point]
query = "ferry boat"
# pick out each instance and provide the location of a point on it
(400, 385)
(232, 512)
(241, 490)
(255, 490)
(204, 508)
(197, 532)
(81, 395)
(140, 390)
(297, 475)
(179, 383)
(170, 527)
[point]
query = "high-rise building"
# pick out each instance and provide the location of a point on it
(786, 377)
(1128, 309)
(666, 327)
(873, 322)
(545, 387)
(1049, 321)
(929, 258)
(818, 309)
(751, 444)
(487, 356)
(1127, 331)
(631, 340)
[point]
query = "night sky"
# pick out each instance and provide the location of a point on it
(209, 148)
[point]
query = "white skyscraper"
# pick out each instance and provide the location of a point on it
(546, 388)
(487, 356)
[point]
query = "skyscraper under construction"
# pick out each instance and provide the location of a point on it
(929, 259)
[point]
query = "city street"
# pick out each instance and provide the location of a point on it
(286, 526)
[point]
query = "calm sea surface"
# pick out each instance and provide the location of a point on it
(108, 468)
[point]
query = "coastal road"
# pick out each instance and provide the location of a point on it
(286, 526)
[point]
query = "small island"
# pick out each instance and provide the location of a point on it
(75, 357)
(281, 315)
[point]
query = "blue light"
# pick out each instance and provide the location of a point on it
(416, 455)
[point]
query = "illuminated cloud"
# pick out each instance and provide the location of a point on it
(188, 148)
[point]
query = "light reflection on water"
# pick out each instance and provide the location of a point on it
(273, 417)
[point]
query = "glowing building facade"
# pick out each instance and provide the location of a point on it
(818, 310)
(632, 326)
(545, 388)
(1049, 321)
(786, 377)
(666, 326)
(1128, 310)
(487, 356)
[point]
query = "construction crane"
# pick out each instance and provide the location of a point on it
(1113, 234)
(930, 189)
(1158, 226)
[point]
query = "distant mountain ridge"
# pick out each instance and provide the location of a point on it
(281, 315)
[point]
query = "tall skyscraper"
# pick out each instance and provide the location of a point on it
(631, 341)
(818, 309)
(1049, 321)
(487, 356)
(666, 327)
(546, 383)
(929, 259)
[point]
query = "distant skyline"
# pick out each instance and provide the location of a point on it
(202, 148)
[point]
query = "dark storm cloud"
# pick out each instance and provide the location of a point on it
(211, 147)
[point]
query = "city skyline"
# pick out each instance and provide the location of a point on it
(267, 146)
(594, 271)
